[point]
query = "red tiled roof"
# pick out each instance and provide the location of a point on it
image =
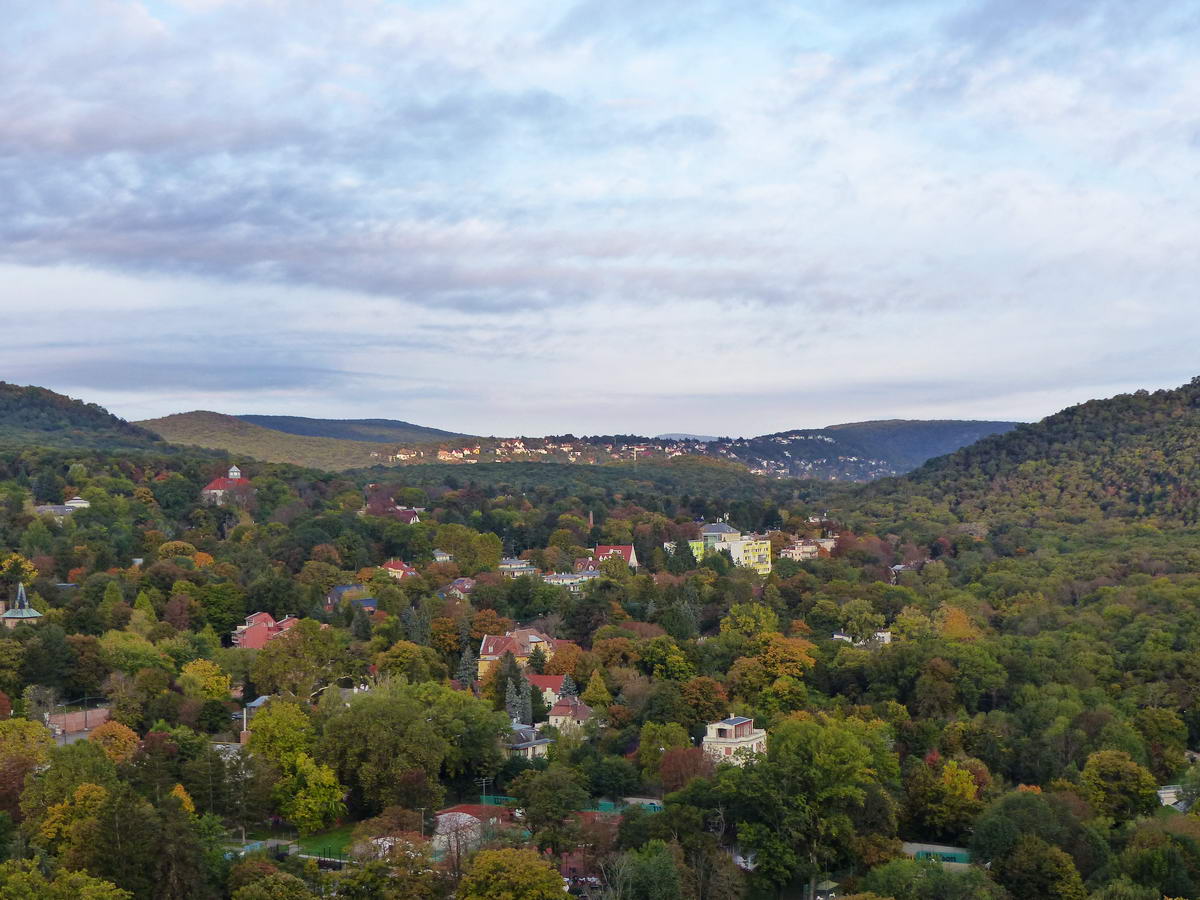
(625, 551)
(544, 682)
(225, 483)
(497, 645)
(573, 707)
(519, 642)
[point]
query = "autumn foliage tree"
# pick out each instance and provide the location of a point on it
(119, 742)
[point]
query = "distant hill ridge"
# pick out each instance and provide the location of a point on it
(383, 431)
(859, 451)
(217, 431)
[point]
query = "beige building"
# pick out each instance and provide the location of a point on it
(734, 739)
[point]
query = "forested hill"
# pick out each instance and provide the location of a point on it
(382, 431)
(1130, 456)
(216, 431)
(857, 451)
(34, 416)
(908, 443)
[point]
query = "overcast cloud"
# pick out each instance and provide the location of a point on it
(526, 217)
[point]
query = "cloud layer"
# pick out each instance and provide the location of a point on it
(524, 217)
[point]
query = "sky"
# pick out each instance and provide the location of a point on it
(600, 216)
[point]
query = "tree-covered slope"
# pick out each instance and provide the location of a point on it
(217, 431)
(1130, 456)
(383, 431)
(859, 451)
(35, 416)
(909, 443)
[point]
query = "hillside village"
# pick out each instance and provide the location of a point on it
(771, 456)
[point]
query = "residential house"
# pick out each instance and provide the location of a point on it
(261, 627)
(549, 685)
(572, 581)
(399, 569)
(526, 742)
(799, 551)
(21, 613)
(409, 515)
(60, 511)
(459, 589)
(77, 503)
(354, 593)
(569, 714)
(878, 639)
(510, 567)
(441, 556)
(255, 705)
(1172, 795)
(624, 551)
(519, 642)
(713, 533)
(734, 739)
(230, 488)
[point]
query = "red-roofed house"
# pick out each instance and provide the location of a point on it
(625, 551)
(228, 488)
(569, 713)
(260, 628)
(549, 685)
(399, 569)
(519, 643)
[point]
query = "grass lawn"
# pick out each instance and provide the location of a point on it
(328, 843)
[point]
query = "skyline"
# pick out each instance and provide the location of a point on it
(606, 217)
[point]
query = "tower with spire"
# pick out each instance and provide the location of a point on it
(21, 612)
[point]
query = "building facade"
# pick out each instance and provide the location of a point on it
(734, 739)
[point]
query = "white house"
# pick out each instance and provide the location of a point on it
(734, 739)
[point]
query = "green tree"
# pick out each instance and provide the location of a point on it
(550, 800)
(413, 661)
(282, 731)
(655, 739)
(181, 870)
(927, 879)
(648, 873)
(596, 694)
(204, 679)
(309, 795)
(392, 745)
(120, 843)
(795, 808)
(23, 880)
(276, 886)
(1116, 786)
(24, 747)
(302, 661)
(1035, 869)
(510, 875)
